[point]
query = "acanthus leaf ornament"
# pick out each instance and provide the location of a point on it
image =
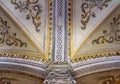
(113, 36)
(87, 10)
(32, 8)
(6, 37)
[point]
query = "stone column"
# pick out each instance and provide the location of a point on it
(59, 72)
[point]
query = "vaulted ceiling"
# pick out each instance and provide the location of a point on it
(92, 29)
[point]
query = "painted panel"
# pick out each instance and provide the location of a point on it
(104, 41)
(32, 15)
(84, 17)
(14, 42)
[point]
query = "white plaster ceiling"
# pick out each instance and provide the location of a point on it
(30, 20)
(93, 31)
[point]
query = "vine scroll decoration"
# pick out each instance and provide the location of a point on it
(113, 36)
(6, 37)
(87, 8)
(32, 8)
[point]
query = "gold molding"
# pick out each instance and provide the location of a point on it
(49, 31)
(70, 19)
(95, 55)
(23, 55)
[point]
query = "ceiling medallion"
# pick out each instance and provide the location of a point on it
(6, 37)
(32, 8)
(113, 36)
(87, 10)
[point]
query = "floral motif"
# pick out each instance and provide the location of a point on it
(113, 36)
(32, 8)
(87, 10)
(6, 37)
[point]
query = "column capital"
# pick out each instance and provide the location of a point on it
(59, 74)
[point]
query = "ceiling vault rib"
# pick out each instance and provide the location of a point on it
(59, 28)
(59, 71)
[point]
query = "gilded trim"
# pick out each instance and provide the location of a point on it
(27, 56)
(70, 26)
(48, 42)
(88, 56)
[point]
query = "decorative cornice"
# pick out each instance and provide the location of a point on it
(98, 65)
(23, 56)
(23, 66)
(85, 57)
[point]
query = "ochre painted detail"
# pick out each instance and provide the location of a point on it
(87, 9)
(49, 30)
(32, 8)
(7, 37)
(88, 56)
(113, 36)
